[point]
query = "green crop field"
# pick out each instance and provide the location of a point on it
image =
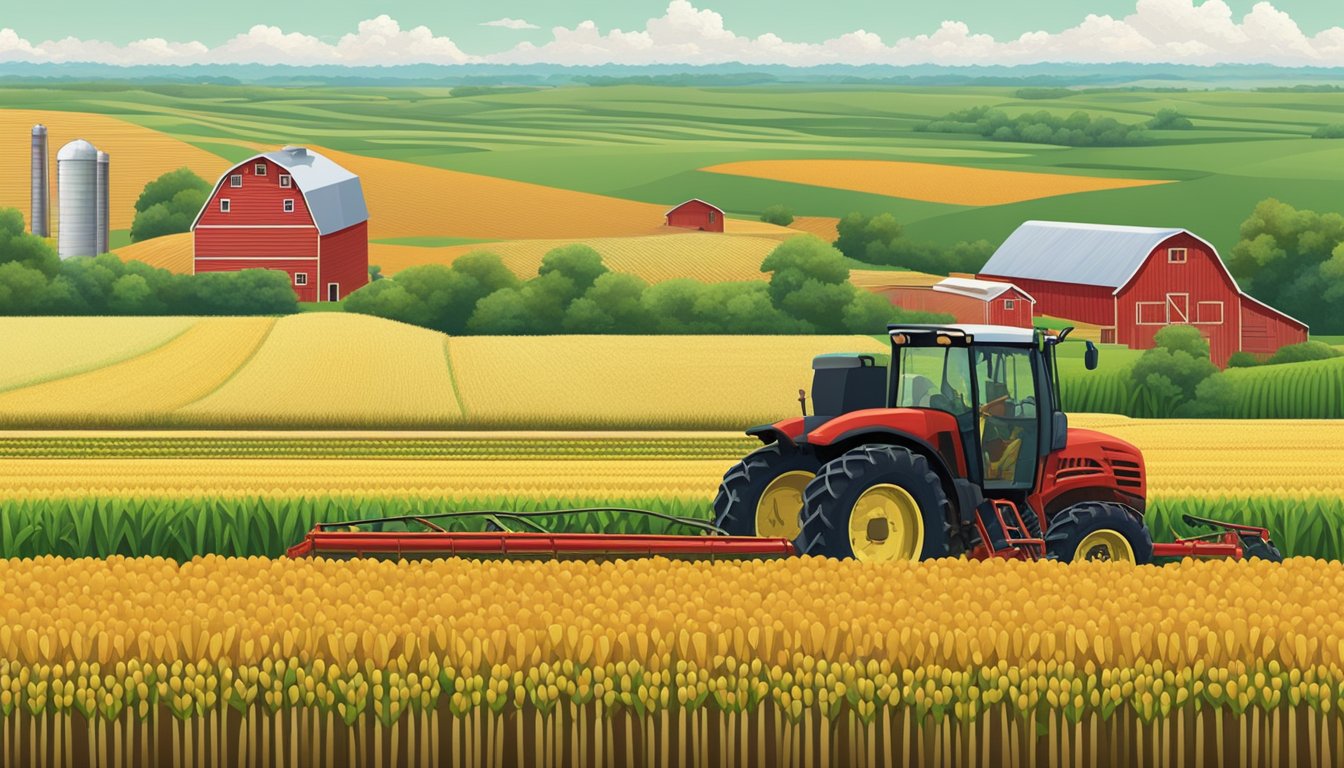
(649, 143)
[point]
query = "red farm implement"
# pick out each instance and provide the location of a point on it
(958, 447)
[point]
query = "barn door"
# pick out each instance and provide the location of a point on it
(1178, 308)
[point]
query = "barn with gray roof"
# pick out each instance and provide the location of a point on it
(291, 210)
(1134, 281)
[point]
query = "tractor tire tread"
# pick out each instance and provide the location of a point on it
(1071, 524)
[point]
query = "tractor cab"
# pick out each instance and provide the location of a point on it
(999, 383)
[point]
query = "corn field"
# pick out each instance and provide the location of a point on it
(255, 662)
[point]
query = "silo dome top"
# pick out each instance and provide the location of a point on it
(78, 149)
(103, 157)
(39, 130)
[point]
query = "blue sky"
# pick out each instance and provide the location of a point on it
(694, 31)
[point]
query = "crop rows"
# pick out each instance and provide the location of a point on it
(726, 448)
(181, 528)
(469, 663)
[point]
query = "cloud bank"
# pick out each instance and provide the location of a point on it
(1158, 31)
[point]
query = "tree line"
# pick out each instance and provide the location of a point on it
(574, 292)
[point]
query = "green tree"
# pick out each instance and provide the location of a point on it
(1304, 352)
(169, 204)
(1168, 119)
(1294, 260)
(19, 246)
(779, 215)
(613, 305)
(1166, 377)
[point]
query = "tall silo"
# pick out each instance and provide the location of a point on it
(77, 189)
(40, 210)
(103, 200)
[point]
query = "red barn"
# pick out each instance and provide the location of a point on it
(292, 210)
(1133, 281)
(696, 214)
(974, 302)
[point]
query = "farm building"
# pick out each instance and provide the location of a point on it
(968, 300)
(696, 214)
(292, 210)
(1133, 281)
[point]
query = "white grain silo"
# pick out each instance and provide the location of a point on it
(77, 189)
(103, 201)
(40, 210)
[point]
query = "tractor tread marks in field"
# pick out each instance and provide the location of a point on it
(1071, 524)
(742, 485)
(832, 494)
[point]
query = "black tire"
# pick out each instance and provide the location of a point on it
(741, 488)
(1259, 549)
(1073, 524)
(831, 497)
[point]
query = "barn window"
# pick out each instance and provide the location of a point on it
(259, 169)
(224, 205)
(236, 180)
(300, 278)
(289, 206)
(1209, 313)
(711, 217)
(1008, 304)
(1150, 313)
(286, 181)
(1175, 255)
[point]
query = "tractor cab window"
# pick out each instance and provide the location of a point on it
(935, 377)
(1008, 419)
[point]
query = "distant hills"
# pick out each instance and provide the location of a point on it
(719, 75)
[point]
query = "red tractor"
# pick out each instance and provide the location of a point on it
(963, 449)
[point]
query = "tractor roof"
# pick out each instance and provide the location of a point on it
(983, 334)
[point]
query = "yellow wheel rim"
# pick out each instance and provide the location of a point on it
(781, 502)
(885, 524)
(1105, 544)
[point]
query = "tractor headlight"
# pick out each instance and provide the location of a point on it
(899, 339)
(944, 341)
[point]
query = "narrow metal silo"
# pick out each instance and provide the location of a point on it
(77, 189)
(103, 200)
(40, 210)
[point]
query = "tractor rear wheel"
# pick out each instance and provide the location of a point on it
(877, 503)
(762, 495)
(1098, 530)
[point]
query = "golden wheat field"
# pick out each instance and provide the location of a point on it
(933, 182)
(892, 278)
(704, 256)
(171, 252)
(457, 662)
(315, 365)
(37, 349)
(622, 382)
(407, 200)
(188, 367)
(138, 155)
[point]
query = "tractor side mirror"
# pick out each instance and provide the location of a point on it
(1059, 432)
(1091, 356)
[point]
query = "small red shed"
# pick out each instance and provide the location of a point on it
(1133, 281)
(696, 214)
(969, 301)
(292, 210)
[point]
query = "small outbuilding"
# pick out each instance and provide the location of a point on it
(696, 214)
(969, 301)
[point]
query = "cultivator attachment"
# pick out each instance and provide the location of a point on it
(521, 535)
(1224, 540)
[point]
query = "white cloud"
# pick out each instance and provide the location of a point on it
(508, 23)
(1176, 31)
(375, 41)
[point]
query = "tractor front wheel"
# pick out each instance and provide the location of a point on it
(1098, 530)
(762, 495)
(877, 503)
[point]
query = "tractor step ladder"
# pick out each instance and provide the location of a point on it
(1018, 543)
